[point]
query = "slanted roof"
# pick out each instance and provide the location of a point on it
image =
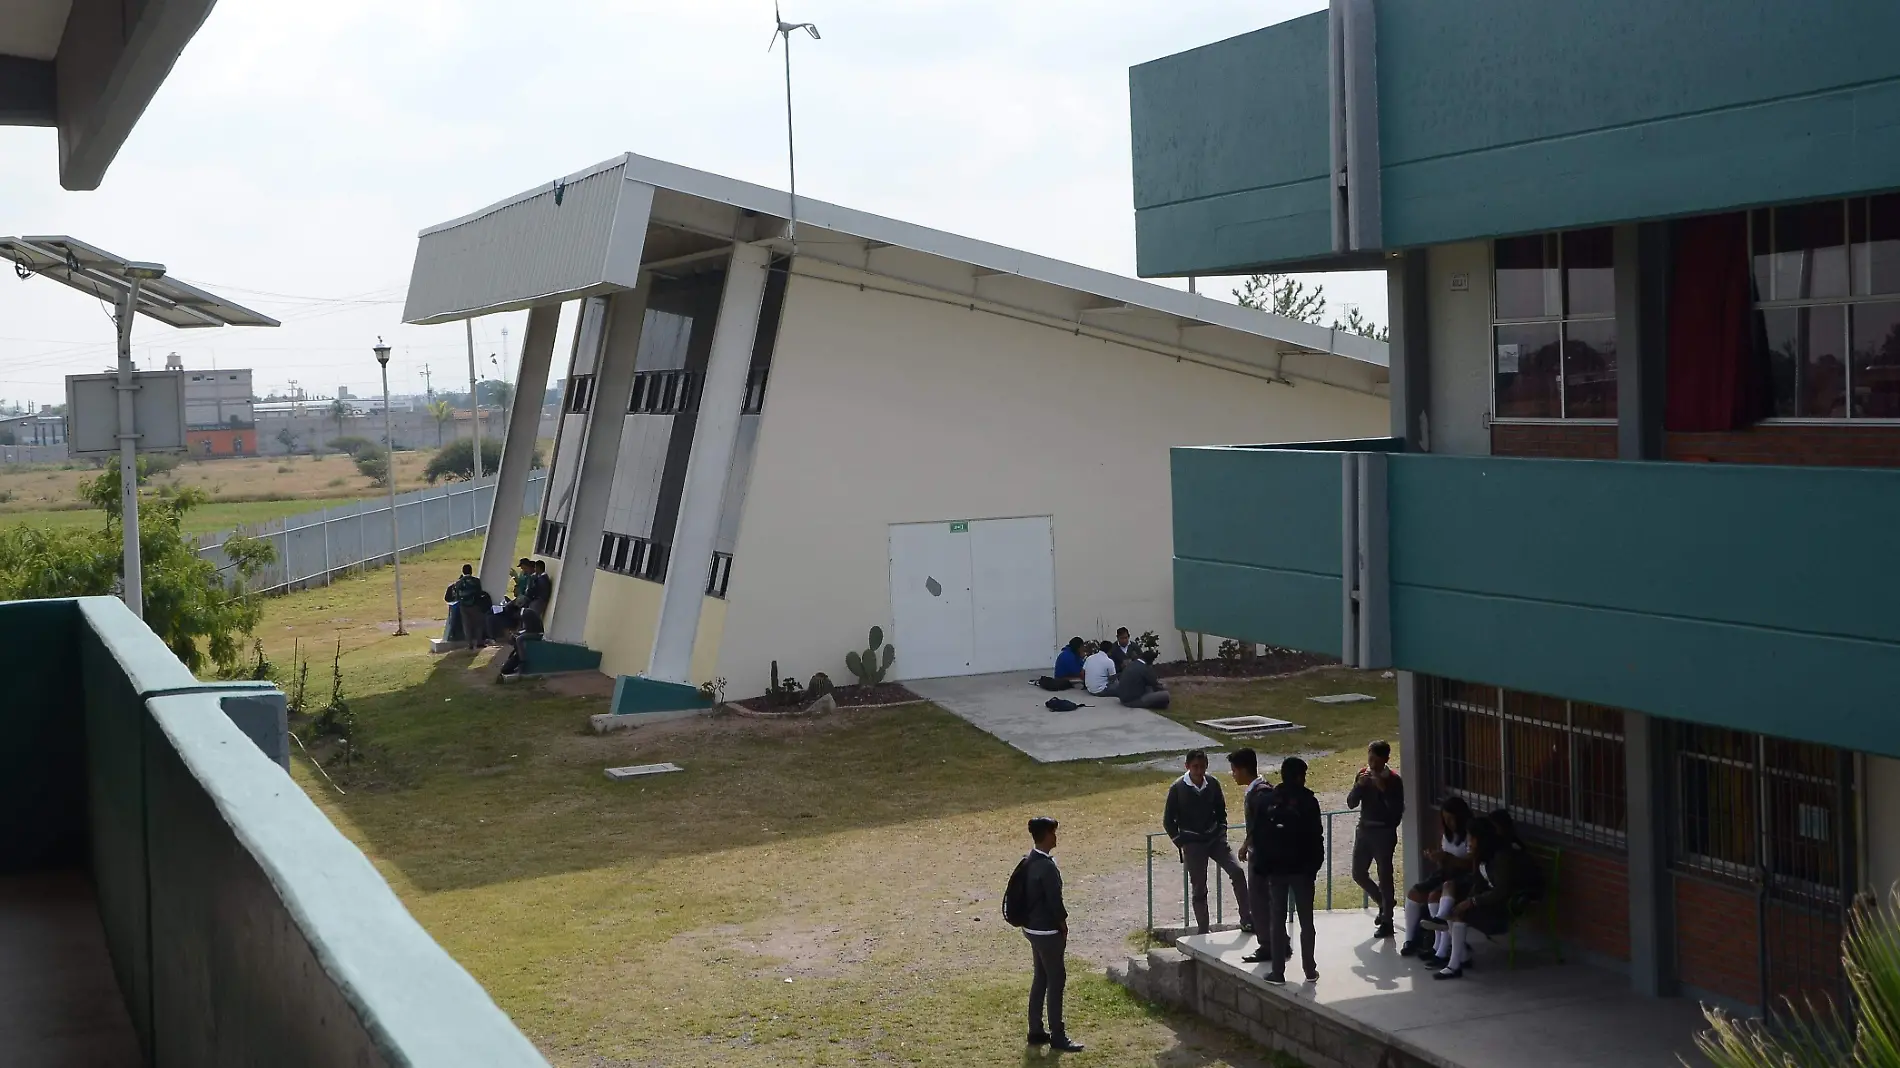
(596, 230)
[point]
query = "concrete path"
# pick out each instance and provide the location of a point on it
(1010, 708)
(59, 1003)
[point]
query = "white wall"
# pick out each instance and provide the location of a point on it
(1459, 380)
(1881, 807)
(885, 408)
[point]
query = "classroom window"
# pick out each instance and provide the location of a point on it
(1554, 326)
(1827, 302)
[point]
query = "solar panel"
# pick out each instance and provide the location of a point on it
(99, 273)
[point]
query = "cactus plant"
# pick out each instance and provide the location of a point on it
(865, 665)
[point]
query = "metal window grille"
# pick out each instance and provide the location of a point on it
(1555, 764)
(720, 576)
(671, 392)
(1774, 816)
(627, 554)
(551, 539)
(580, 394)
(755, 390)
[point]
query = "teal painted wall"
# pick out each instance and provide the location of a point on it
(1256, 545)
(42, 763)
(1501, 116)
(1229, 147)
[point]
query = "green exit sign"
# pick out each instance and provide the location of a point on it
(961, 526)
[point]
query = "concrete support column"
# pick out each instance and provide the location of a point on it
(1652, 900)
(1407, 289)
(1643, 267)
(715, 434)
(1413, 768)
(517, 447)
(599, 452)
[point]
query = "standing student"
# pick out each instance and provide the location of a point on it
(1195, 818)
(471, 603)
(1046, 926)
(1283, 827)
(1245, 766)
(524, 573)
(1380, 798)
(540, 590)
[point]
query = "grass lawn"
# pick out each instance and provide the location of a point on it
(805, 893)
(205, 519)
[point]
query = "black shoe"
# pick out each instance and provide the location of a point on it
(1411, 948)
(1312, 976)
(1258, 956)
(1038, 1038)
(1449, 972)
(1065, 1044)
(1383, 930)
(1434, 961)
(1275, 978)
(1246, 928)
(1433, 923)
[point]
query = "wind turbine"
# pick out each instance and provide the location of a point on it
(785, 30)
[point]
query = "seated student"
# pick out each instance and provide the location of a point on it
(1449, 861)
(1138, 687)
(530, 629)
(1505, 869)
(1120, 649)
(1098, 672)
(1069, 660)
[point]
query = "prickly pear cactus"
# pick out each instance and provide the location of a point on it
(867, 666)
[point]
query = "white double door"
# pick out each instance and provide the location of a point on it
(972, 597)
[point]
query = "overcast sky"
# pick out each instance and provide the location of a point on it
(297, 149)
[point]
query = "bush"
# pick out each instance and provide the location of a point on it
(374, 466)
(354, 445)
(456, 460)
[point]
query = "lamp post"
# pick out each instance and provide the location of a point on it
(389, 471)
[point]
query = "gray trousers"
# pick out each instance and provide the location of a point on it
(1051, 976)
(474, 623)
(1295, 891)
(1196, 855)
(1370, 845)
(1151, 699)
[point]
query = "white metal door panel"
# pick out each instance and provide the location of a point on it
(931, 620)
(1013, 593)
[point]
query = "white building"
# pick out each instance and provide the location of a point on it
(770, 444)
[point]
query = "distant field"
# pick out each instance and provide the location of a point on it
(242, 490)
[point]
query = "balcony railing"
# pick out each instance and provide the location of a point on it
(238, 926)
(1753, 597)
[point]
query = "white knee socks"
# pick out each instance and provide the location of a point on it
(1441, 942)
(1459, 950)
(1413, 910)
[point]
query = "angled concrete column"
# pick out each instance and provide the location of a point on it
(517, 447)
(715, 432)
(600, 450)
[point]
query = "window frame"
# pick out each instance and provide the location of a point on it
(1765, 848)
(1845, 302)
(1563, 318)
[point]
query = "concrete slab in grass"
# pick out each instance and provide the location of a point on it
(1010, 708)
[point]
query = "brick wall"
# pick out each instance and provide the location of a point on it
(1593, 901)
(1834, 446)
(1716, 944)
(1563, 441)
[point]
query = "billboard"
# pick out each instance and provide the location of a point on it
(92, 412)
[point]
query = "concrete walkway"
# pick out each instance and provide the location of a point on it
(1550, 1015)
(1010, 708)
(59, 1004)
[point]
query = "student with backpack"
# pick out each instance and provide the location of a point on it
(1033, 901)
(472, 604)
(1288, 846)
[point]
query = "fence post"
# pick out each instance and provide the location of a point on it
(325, 525)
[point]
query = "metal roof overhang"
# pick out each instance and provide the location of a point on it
(99, 273)
(89, 67)
(596, 230)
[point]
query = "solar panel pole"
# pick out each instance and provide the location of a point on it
(129, 441)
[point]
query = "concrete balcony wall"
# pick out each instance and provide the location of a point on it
(242, 927)
(1751, 597)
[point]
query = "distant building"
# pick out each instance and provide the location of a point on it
(45, 427)
(220, 414)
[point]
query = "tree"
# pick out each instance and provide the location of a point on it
(1284, 295)
(1355, 323)
(201, 615)
(374, 465)
(1820, 1037)
(442, 412)
(338, 410)
(287, 440)
(456, 460)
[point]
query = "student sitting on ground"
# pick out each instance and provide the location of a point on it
(1121, 648)
(1098, 672)
(530, 629)
(1138, 687)
(1069, 661)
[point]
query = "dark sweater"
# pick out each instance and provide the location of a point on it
(1283, 829)
(1195, 815)
(1380, 804)
(1043, 892)
(1136, 681)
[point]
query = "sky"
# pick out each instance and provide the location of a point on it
(297, 149)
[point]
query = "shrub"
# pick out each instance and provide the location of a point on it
(456, 460)
(866, 666)
(334, 482)
(353, 445)
(374, 466)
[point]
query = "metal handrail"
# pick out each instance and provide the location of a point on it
(1218, 891)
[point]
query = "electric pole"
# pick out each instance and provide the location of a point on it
(428, 384)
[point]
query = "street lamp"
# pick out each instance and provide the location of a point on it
(389, 472)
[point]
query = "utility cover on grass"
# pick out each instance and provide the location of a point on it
(1249, 725)
(1343, 698)
(635, 771)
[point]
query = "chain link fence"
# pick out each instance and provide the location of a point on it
(313, 547)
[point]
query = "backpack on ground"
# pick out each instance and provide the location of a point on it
(1060, 704)
(1016, 895)
(1049, 682)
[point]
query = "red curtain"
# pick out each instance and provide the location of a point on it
(1718, 377)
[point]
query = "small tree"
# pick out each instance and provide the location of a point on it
(442, 412)
(374, 465)
(456, 460)
(1355, 323)
(338, 410)
(287, 440)
(1284, 295)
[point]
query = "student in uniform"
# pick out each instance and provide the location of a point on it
(1450, 860)
(1046, 926)
(1504, 871)
(1195, 818)
(1098, 672)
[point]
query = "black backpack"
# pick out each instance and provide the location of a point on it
(1016, 895)
(1061, 704)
